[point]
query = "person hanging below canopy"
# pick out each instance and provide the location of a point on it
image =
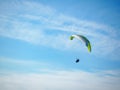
(77, 60)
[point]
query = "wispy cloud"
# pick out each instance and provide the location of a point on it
(20, 62)
(34, 22)
(21, 66)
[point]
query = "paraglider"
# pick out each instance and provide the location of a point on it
(82, 38)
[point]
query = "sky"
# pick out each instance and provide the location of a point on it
(37, 54)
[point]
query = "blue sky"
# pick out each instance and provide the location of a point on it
(36, 53)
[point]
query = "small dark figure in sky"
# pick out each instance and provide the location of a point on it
(77, 60)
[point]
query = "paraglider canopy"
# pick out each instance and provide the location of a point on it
(84, 39)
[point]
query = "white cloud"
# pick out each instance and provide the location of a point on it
(35, 20)
(59, 80)
(51, 78)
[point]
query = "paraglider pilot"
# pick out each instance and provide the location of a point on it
(77, 60)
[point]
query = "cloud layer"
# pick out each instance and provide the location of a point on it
(35, 23)
(59, 80)
(35, 75)
(45, 76)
